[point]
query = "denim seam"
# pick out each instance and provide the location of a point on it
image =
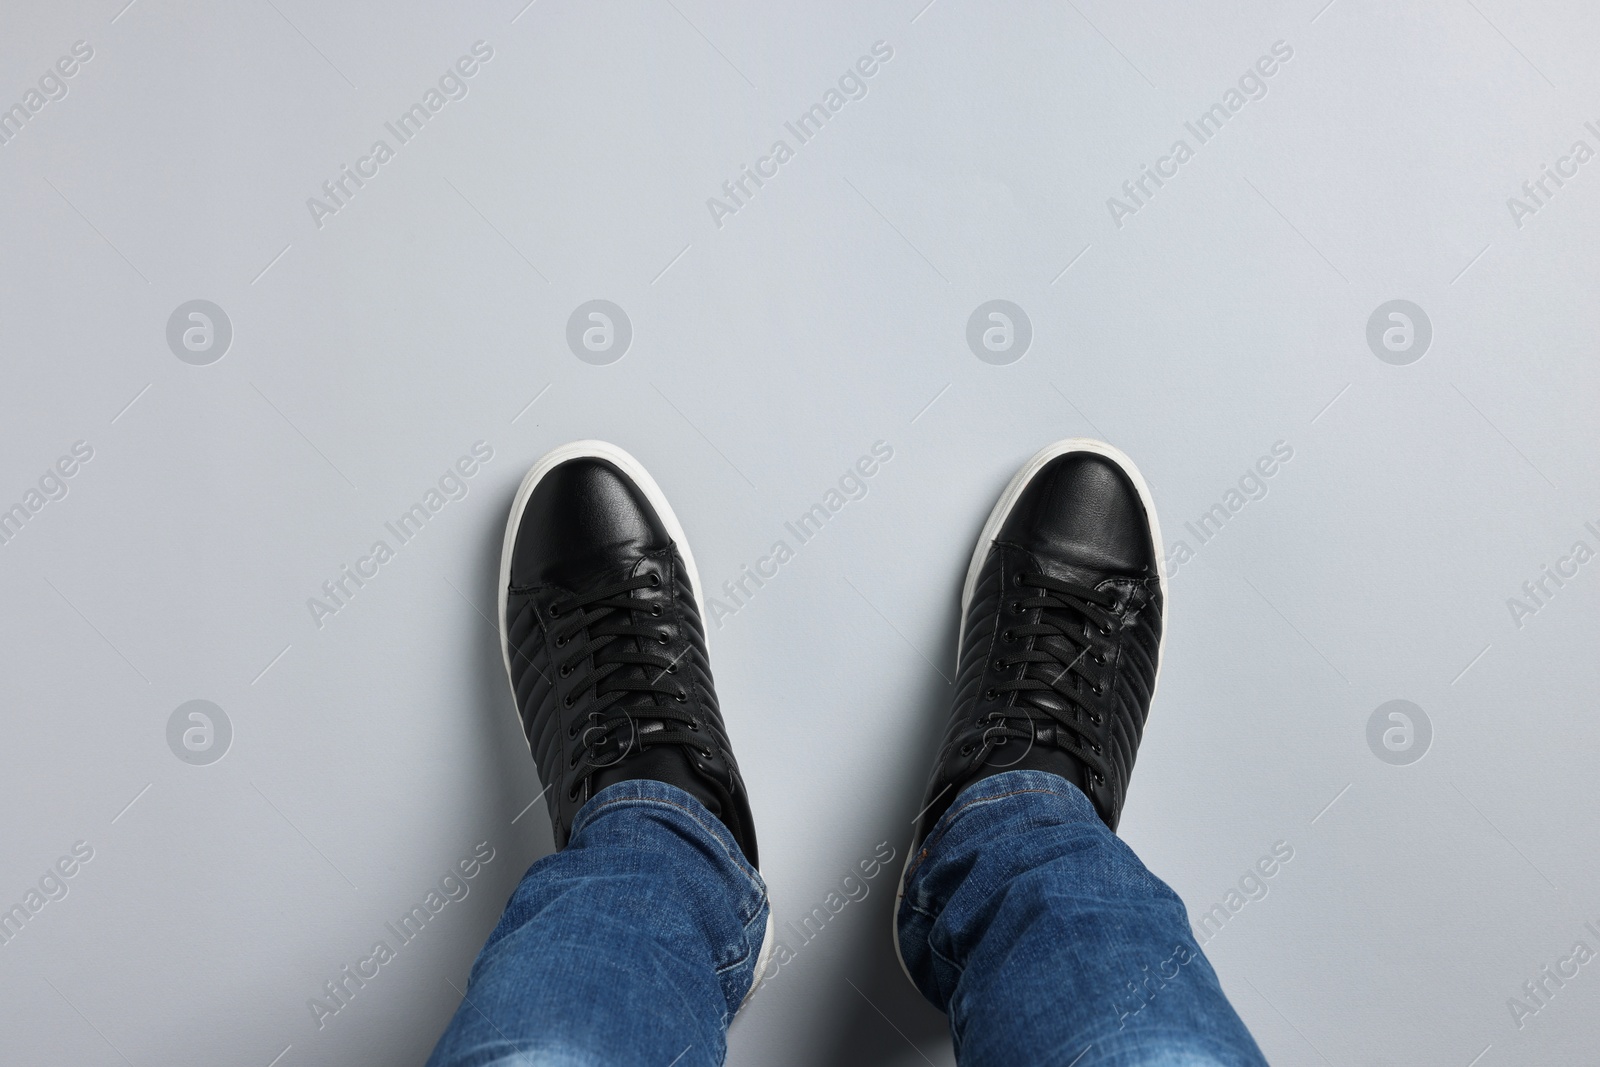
(741, 864)
(746, 914)
(950, 817)
(748, 949)
(960, 969)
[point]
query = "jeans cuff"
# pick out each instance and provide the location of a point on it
(999, 787)
(689, 813)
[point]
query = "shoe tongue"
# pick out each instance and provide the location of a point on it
(662, 763)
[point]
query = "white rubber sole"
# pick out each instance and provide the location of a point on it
(624, 462)
(991, 529)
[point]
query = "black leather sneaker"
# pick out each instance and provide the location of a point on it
(1060, 632)
(601, 632)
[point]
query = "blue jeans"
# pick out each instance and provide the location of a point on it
(1025, 919)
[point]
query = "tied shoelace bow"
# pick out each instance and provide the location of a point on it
(1071, 637)
(637, 700)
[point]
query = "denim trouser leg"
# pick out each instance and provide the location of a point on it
(634, 945)
(1048, 943)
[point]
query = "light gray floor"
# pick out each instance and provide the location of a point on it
(772, 346)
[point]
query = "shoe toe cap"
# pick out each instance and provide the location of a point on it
(1083, 508)
(584, 515)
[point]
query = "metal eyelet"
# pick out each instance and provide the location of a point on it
(1016, 607)
(662, 637)
(561, 642)
(555, 612)
(1021, 579)
(565, 670)
(566, 701)
(655, 580)
(681, 697)
(672, 668)
(999, 664)
(991, 694)
(1008, 636)
(694, 724)
(655, 609)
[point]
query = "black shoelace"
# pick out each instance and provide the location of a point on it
(1070, 641)
(637, 700)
